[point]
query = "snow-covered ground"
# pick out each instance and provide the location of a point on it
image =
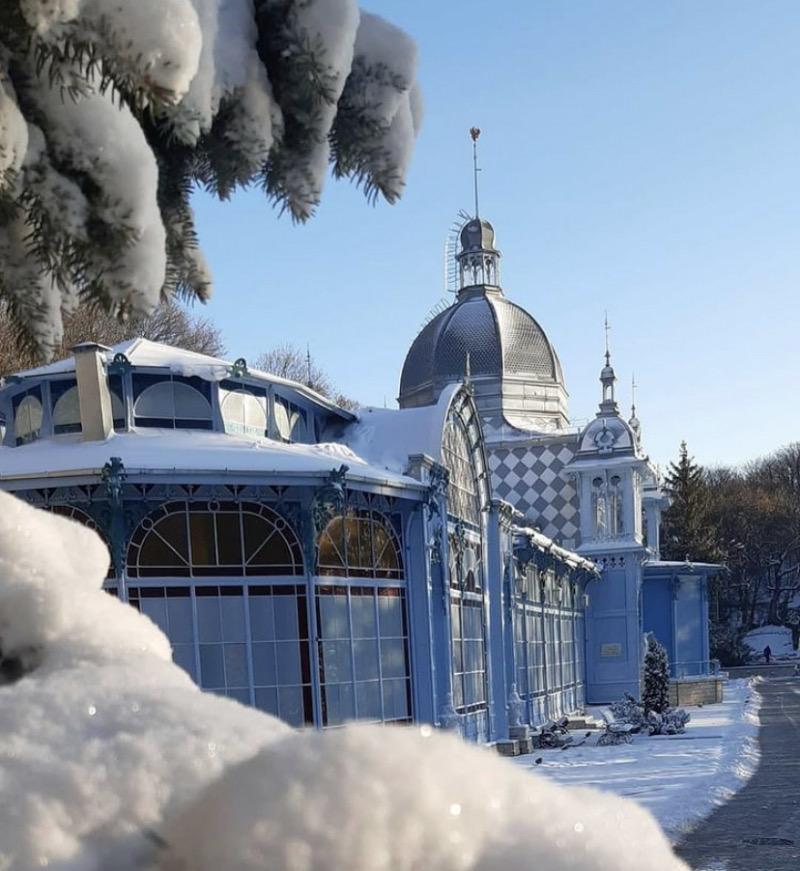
(679, 779)
(779, 639)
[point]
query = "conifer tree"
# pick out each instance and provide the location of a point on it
(112, 112)
(655, 694)
(686, 528)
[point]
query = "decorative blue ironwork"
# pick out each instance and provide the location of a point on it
(239, 368)
(120, 365)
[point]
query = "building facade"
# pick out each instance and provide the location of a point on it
(592, 489)
(320, 566)
(467, 560)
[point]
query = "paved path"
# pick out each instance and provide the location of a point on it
(768, 807)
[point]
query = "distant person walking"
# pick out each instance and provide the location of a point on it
(768, 653)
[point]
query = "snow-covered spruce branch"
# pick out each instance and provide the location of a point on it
(112, 113)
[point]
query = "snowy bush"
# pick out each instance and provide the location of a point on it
(655, 680)
(669, 722)
(629, 711)
(112, 758)
(112, 112)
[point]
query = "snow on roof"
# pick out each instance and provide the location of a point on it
(544, 543)
(681, 564)
(159, 450)
(143, 352)
(387, 437)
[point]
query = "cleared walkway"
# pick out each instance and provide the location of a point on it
(759, 828)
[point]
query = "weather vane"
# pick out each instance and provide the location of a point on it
(607, 329)
(475, 133)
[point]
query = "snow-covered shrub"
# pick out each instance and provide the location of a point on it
(655, 680)
(111, 758)
(628, 710)
(669, 722)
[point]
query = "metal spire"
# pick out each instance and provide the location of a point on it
(308, 364)
(634, 385)
(475, 132)
(608, 352)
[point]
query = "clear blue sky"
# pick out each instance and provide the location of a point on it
(640, 157)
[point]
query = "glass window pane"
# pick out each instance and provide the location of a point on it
(368, 700)
(229, 539)
(179, 613)
(232, 618)
(261, 626)
(339, 703)
(288, 660)
(336, 661)
(264, 665)
(267, 700)
(393, 657)
(285, 616)
(395, 700)
(208, 622)
(290, 705)
(241, 695)
(66, 412)
(183, 655)
(362, 608)
(156, 610)
(212, 669)
(236, 665)
(201, 526)
(365, 653)
(28, 417)
(390, 609)
(333, 611)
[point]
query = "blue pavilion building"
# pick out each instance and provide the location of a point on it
(467, 560)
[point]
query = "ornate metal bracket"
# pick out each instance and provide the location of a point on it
(329, 499)
(239, 368)
(113, 476)
(120, 365)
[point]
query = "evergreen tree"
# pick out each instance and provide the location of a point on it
(655, 695)
(111, 113)
(686, 527)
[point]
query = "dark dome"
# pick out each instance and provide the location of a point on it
(500, 337)
(477, 235)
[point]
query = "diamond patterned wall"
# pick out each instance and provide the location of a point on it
(531, 477)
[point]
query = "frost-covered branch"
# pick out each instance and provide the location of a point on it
(111, 113)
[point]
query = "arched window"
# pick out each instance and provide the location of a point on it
(600, 507)
(290, 421)
(243, 412)
(212, 539)
(615, 516)
(28, 416)
(460, 447)
(80, 516)
(67, 411)
(171, 403)
(360, 544)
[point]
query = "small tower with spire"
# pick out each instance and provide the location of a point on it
(633, 421)
(608, 379)
(478, 259)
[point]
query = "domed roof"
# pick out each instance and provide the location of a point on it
(477, 235)
(500, 337)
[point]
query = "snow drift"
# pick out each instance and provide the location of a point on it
(111, 757)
